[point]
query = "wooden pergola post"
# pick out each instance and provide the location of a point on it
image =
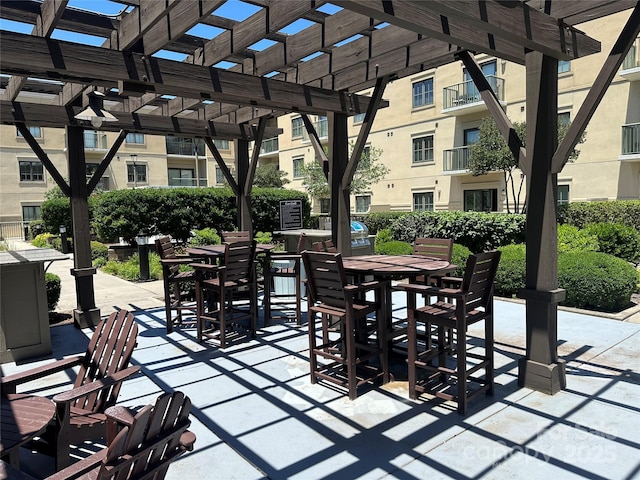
(242, 170)
(340, 200)
(541, 369)
(86, 314)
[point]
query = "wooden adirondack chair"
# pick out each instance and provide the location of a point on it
(141, 446)
(80, 411)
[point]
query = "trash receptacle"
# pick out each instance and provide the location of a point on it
(287, 285)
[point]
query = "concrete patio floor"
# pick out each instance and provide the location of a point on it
(256, 415)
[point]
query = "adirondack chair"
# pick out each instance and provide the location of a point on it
(174, 280)
(80, 412)
(140, 446)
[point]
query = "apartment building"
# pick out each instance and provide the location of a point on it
(433, 117)
(425, 133)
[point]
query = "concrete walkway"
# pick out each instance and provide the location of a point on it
(256, 415)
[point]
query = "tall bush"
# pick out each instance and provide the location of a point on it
(380, 220)
(510, 276)
(616, 239)
(579, 214)
(572, 238)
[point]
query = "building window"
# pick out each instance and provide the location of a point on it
(30, 213)
(136, 173)
(423, 149)
(423, 93)
(220, 144)
(181, 177)
(563, 194)
(358, 118)
(103, 183)
(137, 138)
(363, 203)
(564, 118)
(36, 132)
(471, 136)
(564, 66)
(423, 202)
(31, 171)
(219, 176)
(297, 127)
(325, 205)
(298, 163)
(481, 200)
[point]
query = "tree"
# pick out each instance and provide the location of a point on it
(369, 172)
(491, 153)
(268, 176)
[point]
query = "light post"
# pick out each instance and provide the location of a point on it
(63, 239)
(143, 255)
(134, 158)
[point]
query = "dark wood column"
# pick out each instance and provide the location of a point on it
(244, 200)
(541, 369)
(340, 200)
(86, 314)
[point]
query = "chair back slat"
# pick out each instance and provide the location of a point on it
(330, 247)
(165, 250)
(238, 260)
(236, 236)
(326, 276)
(440, 248)
(479, 276)
(301, 241)
(109, 351)
(317, 247)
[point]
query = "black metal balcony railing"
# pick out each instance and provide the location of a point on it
(466, 93)
(184, 146)
(456, 159)
(269, 145)
(632, 60)
(95, 140)
(631, 139)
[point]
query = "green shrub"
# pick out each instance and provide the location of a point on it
(596, 281)
(478, 231)
(459, 257)
(383, 235)
(380, 220)
(616, 239)
(99, 250)
(263, 237)
(36, 227)
(265, 207)
(54, 287)
(510, 276)
(572, 238)
(99, 262)
(130, 270)
(394, 247)
(205, 236)
(42, 240)
(580, 214)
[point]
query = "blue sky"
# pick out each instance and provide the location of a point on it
(233, 9)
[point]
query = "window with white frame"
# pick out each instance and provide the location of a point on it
(325, 205)
(31, 171)
(91, 168)
(298, 164)
(221, 144)
(219, 176)
(563, 194)
(423, 149)
(564, 118)
(423, 93)
(564, 66)
(363, 203)
(30, 212)
(423, 202)
(297, 127)
(181, 177)
(36, 132)
(358, 118)
(135, 138)
(136, 173)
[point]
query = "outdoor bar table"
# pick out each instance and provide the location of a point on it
(394, 267)
(22, 417)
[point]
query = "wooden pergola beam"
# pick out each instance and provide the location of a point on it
(321, 156)
(57, 116)
(223, 166)
(104, 163)
(52, 59)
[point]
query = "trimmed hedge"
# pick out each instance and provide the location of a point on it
(572, 238)
(580, 214)
(380, 220)
(510, 276)
(394, 247)
(477, 231)
(54, 286)
(616, 239)
(459, 257)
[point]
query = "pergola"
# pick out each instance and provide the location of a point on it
(310, 72)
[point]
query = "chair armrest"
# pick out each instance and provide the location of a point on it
(365, 287)
(176, 261)
(285, 256)
(96, 385)
(187, 439)
(431, 290)
(81, 468)
(120, 414)
(206, 267)
(10, 382)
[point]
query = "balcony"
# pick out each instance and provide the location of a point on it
(322, 129)
(95, 140)
(464, 98)
(184, 146)
(456, 160)
(631, 64)
(269, 147)
(630, 143)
